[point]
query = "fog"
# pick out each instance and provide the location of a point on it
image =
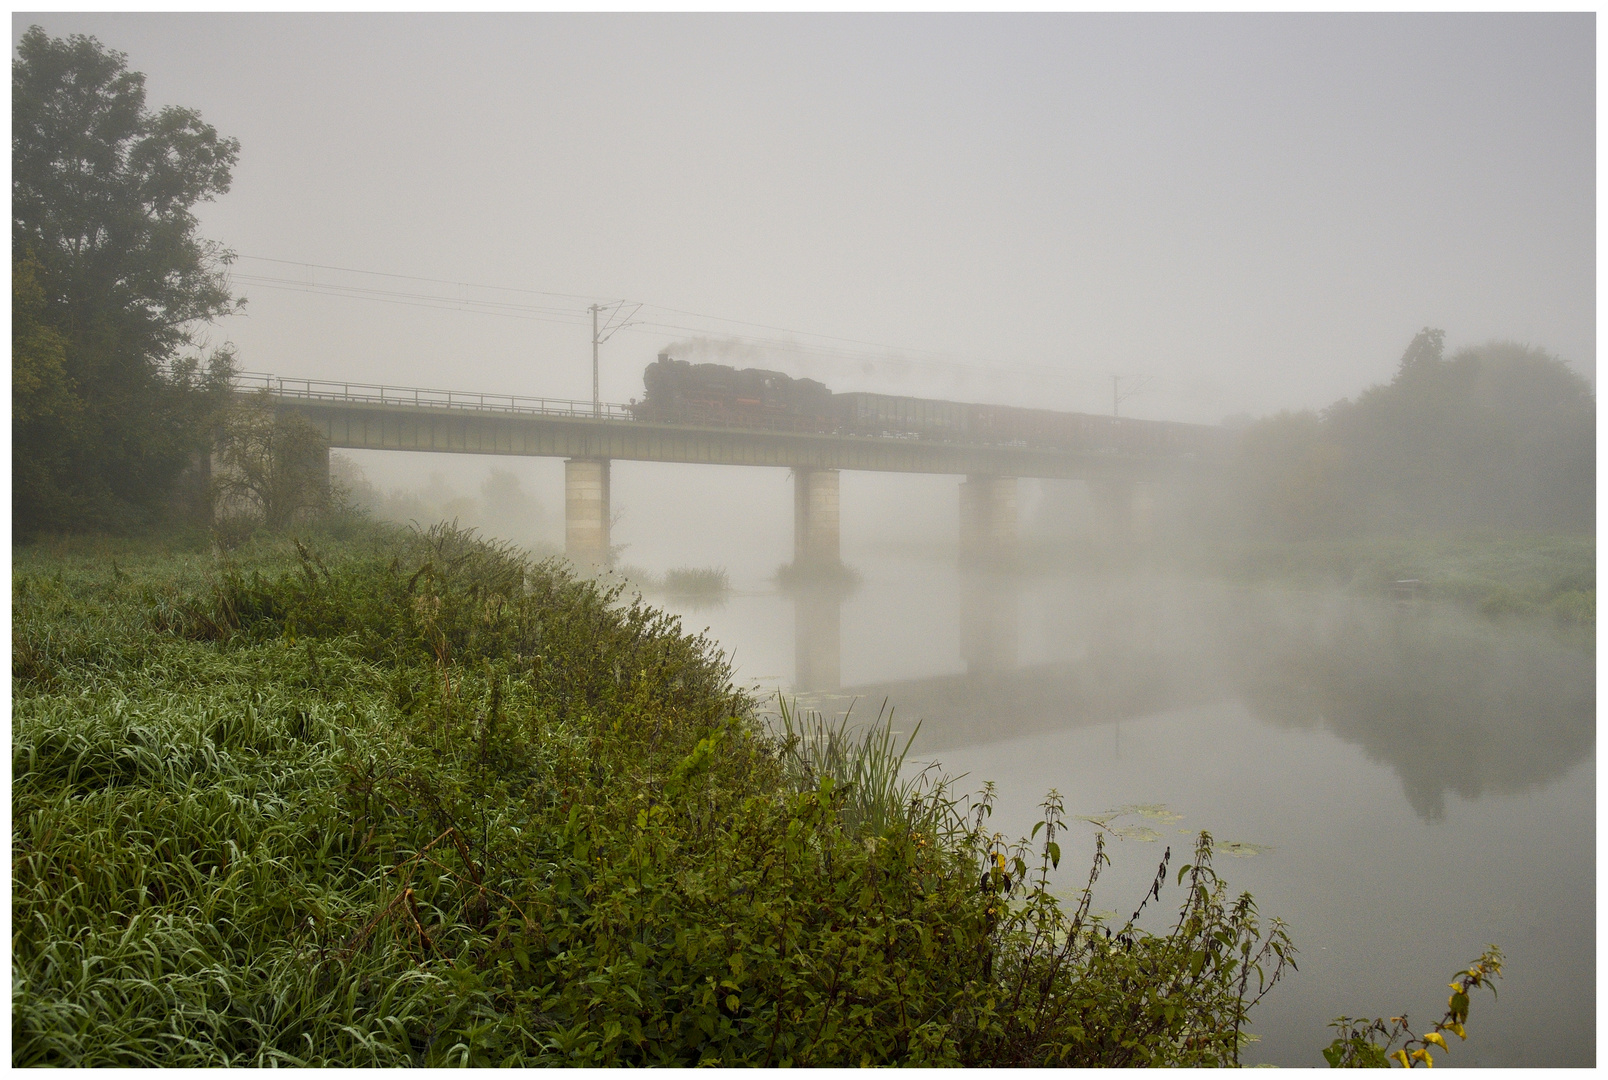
(1239, 215)
(1351, 631)
(1256, 211)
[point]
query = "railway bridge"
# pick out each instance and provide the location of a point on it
(589, 435)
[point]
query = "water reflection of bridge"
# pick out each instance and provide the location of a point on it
(1454, 704)
(996, 697)
(988, 630)
(963, 710)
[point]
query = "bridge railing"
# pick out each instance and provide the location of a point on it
(375, 394)
(1098, 435)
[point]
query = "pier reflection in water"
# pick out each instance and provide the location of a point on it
(818, 639)
(989, 620)
(988, 630)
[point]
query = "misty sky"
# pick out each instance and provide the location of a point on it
(1257, 211)
(1253, 212)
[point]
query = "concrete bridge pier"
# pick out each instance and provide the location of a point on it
(815, 518)
(987, 519)
(586, 512)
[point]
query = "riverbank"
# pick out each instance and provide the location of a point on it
(392, 798)
(1552, 576)
(1548, 577)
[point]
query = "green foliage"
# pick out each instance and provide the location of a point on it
(273, 466)
(410, 799)
(1074, 990)
(109, 282)
(1356, 1047)
(1497, 436)
(46, 411)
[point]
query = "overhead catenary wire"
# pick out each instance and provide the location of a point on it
(580, 296)
(332, 288)
(580, 316)
(808, 344)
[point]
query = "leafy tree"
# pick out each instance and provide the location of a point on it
(1288, 471)
(110, 284)
(1546, 415)
(351, 487)
(1499, 435)
(1423, 353)
(274, 466)
(46, 413)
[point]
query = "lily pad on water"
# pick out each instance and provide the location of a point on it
(1153, 811)
(1134, 831)
(1161, 815)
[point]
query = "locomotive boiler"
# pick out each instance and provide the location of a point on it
(683, 393)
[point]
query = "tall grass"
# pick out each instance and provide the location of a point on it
(866, 765)
(697, 582)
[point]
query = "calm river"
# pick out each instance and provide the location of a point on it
(1402, 785)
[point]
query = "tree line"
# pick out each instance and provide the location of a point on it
(1498, 436)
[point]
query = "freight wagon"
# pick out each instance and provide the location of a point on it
(906, 417)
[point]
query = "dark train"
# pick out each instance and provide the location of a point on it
(683, 393)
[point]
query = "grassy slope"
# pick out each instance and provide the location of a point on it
(408, 799)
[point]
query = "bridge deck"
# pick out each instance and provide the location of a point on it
(358, 417)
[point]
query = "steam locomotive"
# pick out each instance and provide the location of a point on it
(683, 393)
(714, 394)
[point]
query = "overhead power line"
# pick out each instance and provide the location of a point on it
(310, 286)
(536, 305)
(803, 340)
